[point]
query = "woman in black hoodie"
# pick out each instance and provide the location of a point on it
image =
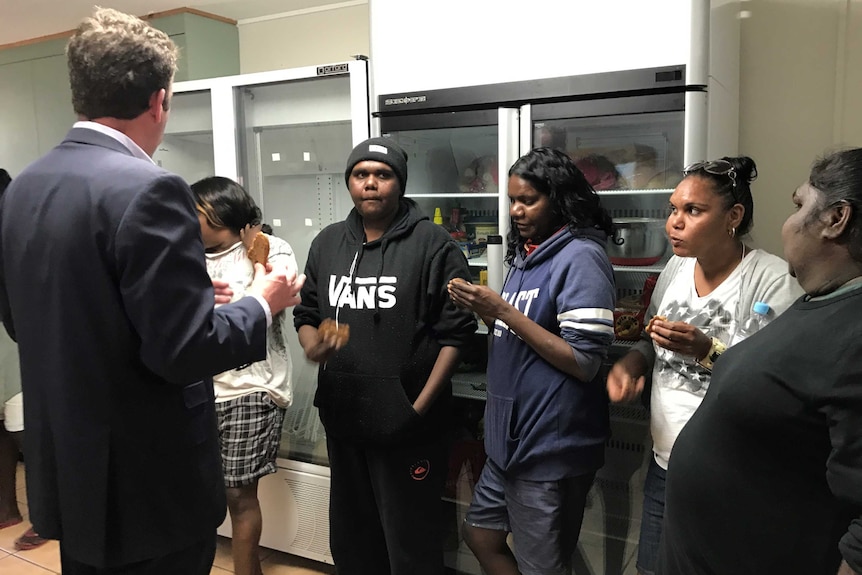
(384, 394)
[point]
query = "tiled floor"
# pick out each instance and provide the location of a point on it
(45, 560)
(597, 551)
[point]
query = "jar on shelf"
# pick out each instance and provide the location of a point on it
(628, 318)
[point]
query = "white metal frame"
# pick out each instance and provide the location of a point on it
(222, 91)
(222, 97)
(296, 497)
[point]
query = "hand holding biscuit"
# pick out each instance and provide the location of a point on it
(321, 342)
(334, 334)
(479, 299)
(649, 327)
(679, 336)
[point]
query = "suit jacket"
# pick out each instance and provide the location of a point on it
(103, 284)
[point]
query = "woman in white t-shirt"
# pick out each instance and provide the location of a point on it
(250, 400)
(704, 295)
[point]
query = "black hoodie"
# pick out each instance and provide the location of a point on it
(392, 294)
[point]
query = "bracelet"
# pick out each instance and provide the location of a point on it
(716, 350)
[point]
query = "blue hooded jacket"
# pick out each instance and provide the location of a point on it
(542, 424)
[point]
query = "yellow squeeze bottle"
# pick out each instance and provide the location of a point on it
(438, 216)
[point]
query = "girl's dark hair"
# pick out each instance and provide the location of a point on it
(838, 178)
(225, 204)
(5, 180)
(573, 200)
(732, 185)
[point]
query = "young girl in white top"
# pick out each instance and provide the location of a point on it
(250, 400)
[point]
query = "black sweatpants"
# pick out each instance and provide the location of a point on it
(196, 559)
(385, 511)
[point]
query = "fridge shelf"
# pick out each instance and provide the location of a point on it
(639, 192)
(458, 502)
(470, 385)
(452, 195)
(480, 262)
(653, 269)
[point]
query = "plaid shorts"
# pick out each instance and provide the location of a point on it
(249, 429)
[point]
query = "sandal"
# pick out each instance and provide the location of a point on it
(30, 540)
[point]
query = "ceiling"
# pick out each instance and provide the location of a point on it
(27, 19)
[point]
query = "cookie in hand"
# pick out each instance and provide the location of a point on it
(259, 251)
(652, 321)
(328, 327)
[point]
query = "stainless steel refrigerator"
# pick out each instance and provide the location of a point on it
(630, 132)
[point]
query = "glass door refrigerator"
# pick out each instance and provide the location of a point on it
(630, 132)
(285, 136)
(454, 163)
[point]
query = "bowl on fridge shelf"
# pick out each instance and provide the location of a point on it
(637, 241)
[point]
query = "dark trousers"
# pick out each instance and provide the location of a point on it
(386, 512)
(194, 560)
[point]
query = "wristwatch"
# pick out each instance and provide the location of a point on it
(716, 350)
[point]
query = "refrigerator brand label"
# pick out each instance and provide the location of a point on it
(404, 100)
(332, 69)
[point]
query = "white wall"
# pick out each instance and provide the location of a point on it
(304, 38)
(848, 120)
(35, 109)
(20, 142)
(800, 88)
(449, 43)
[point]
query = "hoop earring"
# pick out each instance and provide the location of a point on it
(732, 232)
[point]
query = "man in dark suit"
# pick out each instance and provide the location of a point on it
(104, 286)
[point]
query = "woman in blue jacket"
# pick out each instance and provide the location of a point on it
(546, 416)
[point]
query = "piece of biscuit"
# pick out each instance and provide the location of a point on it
(327, 327)
(259, 252)
(652, 320)
(343, 334)
(341, 331)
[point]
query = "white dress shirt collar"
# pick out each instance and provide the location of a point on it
(127, 142)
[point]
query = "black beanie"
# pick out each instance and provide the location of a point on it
(380, 150)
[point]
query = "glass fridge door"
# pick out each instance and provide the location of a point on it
(187, 146)
(631, 150)
(454, 175)
(455, 178)
(294, 138)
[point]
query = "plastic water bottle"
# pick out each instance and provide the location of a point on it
(756, 321)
